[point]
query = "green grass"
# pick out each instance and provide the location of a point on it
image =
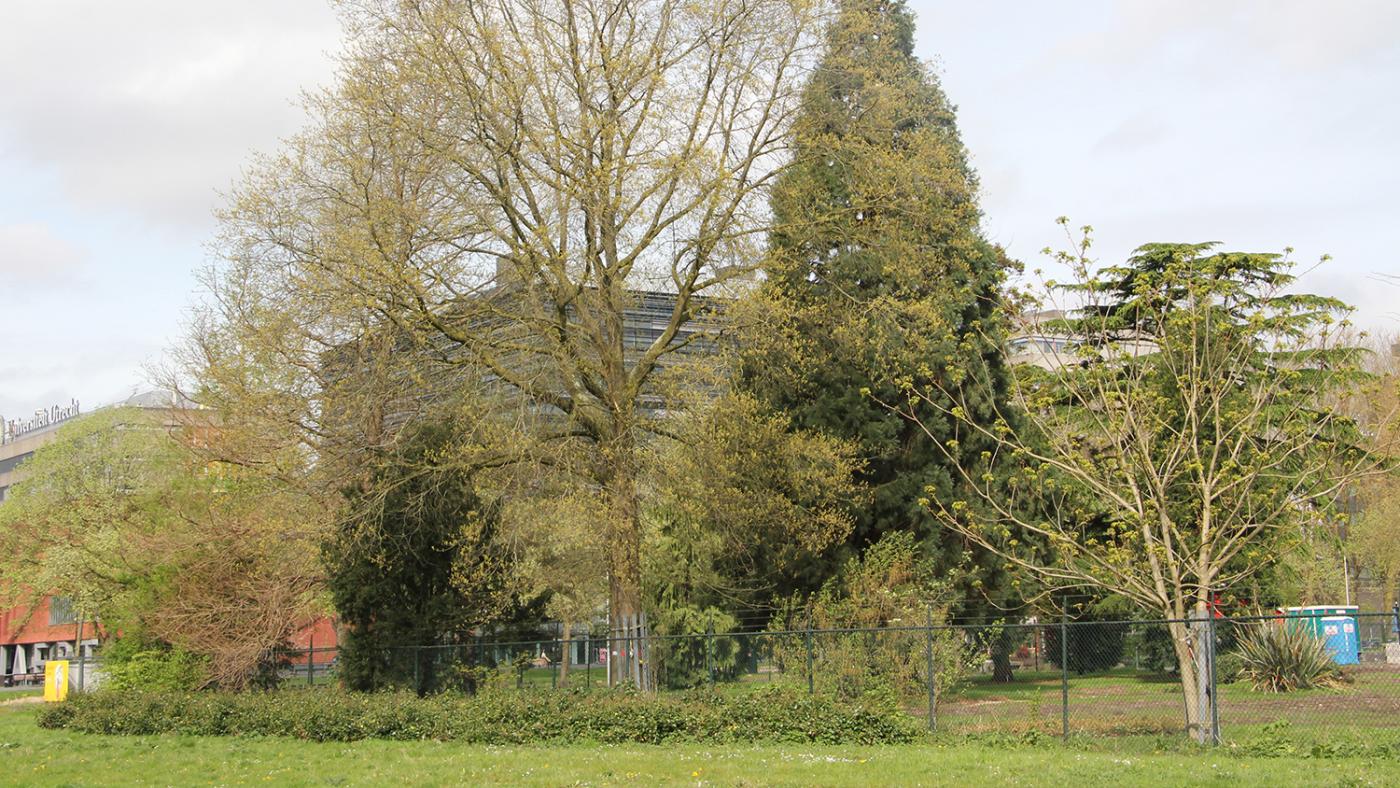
(34, 756)
(1126, 701)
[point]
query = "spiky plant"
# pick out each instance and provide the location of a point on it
(1277, 658)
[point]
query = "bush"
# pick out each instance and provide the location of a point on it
(1228, 667)
(766, 715)
(867, 646)
(1275, 658)
(130, 663)
(688, 650)
(1093, 645)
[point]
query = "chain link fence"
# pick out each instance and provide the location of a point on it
(1057, 678)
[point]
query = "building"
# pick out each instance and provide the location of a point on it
(19, 438)
(1044, 340)
(30, 635)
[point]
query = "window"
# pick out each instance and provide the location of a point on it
(61, 611)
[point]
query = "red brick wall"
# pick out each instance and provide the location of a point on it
(20, 624)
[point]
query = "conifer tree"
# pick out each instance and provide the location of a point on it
(877, 276)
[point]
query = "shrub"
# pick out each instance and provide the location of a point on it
(130, 663)
(868, 645)
(767, 715)
(688, 650)
(1276, 658)
(1093, 645)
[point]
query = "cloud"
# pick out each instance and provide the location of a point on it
(32, 254)
(99, 372)
(1296, 34)
(147, 107)
(1138, 131)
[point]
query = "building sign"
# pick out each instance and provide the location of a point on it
(15, 429)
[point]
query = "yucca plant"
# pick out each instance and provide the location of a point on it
(1285, 658)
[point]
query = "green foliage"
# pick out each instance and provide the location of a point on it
(890, 586)
(126, 512)
(134, 663)
(77, 521)
(742, 500)
(1092, 646)
(765, 715)
(683, 662)
(1152, 649)
(879, 283)
(1374, 539)
(1274, 658)
(413, 563)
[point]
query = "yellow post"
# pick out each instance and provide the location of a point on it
(56, 680)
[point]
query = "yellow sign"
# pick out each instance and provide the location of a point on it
(56, 680)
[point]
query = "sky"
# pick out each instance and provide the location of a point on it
(1262, 124)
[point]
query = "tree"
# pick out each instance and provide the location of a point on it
(1189, 421)
(122, 515)
(1373, 538)
(877, 271)
(497, 182)
(415, 561)
(741, 503)
(68, 521)
(550, 528)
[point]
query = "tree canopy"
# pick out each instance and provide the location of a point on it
(877, 272)
(1191, 417)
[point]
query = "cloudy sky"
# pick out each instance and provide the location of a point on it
(1259, 123)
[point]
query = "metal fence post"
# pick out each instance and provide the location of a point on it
(1214, 695)
(310, 659)
(710, 654)
(78, 643)
(932, 686)
(1202, 628)
(811, 685)
(1064, 674)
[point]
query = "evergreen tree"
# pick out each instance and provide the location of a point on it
(414, 563)
(879, 282)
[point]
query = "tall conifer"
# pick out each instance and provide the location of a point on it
(879, 280)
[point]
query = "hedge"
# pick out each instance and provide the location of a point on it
(764, 715)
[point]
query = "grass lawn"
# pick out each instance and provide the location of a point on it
(30, 755)
(1124, 701)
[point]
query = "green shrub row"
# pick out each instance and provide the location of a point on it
(766, 715)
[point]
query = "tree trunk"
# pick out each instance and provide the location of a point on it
(624, 546)
(1001, 657)
(1188, 643)
(565, 628)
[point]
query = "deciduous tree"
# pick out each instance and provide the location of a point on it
(1190, 419)
(497, 182)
